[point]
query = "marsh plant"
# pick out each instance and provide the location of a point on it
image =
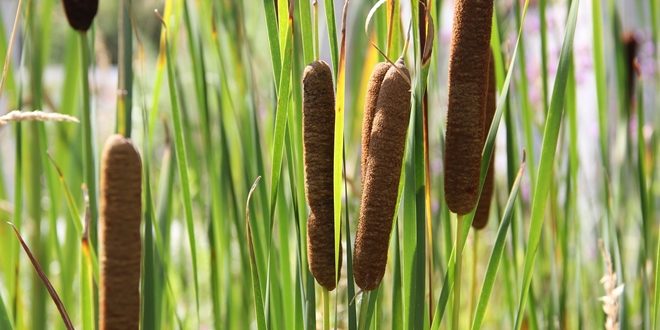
(300, 164)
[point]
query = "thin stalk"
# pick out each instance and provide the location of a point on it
(89, 164)
(457, 272)
(326, 309)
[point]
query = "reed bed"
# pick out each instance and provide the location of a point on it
(214, 95)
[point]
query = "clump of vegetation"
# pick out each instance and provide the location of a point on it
(349, 224)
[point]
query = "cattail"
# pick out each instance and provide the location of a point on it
(629, 54)
(373, 89)
(80, 13)
(120, 241)
(318, 145)
(483, 208)
(468, 76)
(382, 172)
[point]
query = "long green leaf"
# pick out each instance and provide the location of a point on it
(182, 164)
(548, 149)
(496, 255)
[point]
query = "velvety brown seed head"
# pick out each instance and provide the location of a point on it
(80, 13)
(481, 214)
(120, 241)
(318, 145)
(630, 53)
(371, 98)
(381, 178)
(468, 75)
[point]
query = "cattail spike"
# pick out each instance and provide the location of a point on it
(318, 145)
(120, 240)
(481, 214)
(382, 174)
(371, 98)
(468, 76)
(80, 13)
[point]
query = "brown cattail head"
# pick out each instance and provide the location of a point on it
(386, 145)
(468, 76)
(120, 241)
(80, 13)
(630, 53)
(318, 145)
(483, 208)
(371, 98)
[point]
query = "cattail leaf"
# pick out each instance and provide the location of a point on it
(86, 284)
(498, 250)
(45, 280)
(331, 23)
(256, 287)
(182, 165)
(548, 149)
(5, 322)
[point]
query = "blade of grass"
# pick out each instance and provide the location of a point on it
(339, 132)
(125, 68)
(86, 280)
(273, 39)
(498, 250)
(182, 164)
(5, 322)
(278, 151)
(331, 22)
(546, 164)
(88, 142)
(256, 287)
(601, 83)
(45, 280)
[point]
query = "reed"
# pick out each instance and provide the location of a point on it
(318, 146)
(483, 207)
(382, 172)
(80, 13)
(120, 240)
(468, 74)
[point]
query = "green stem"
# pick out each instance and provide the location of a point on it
(89, 167)
(326, 309)
(457, 271)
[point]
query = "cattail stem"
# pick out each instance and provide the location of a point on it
(457, 272)
(473, 286)
(88, 142)
(326, 309)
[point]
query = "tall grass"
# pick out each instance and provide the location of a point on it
(212, 98)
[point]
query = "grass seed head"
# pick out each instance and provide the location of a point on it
(120, 240)
(386, 146)
(80, 13)
(481, 214)
(468, 76)
(318, 146)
